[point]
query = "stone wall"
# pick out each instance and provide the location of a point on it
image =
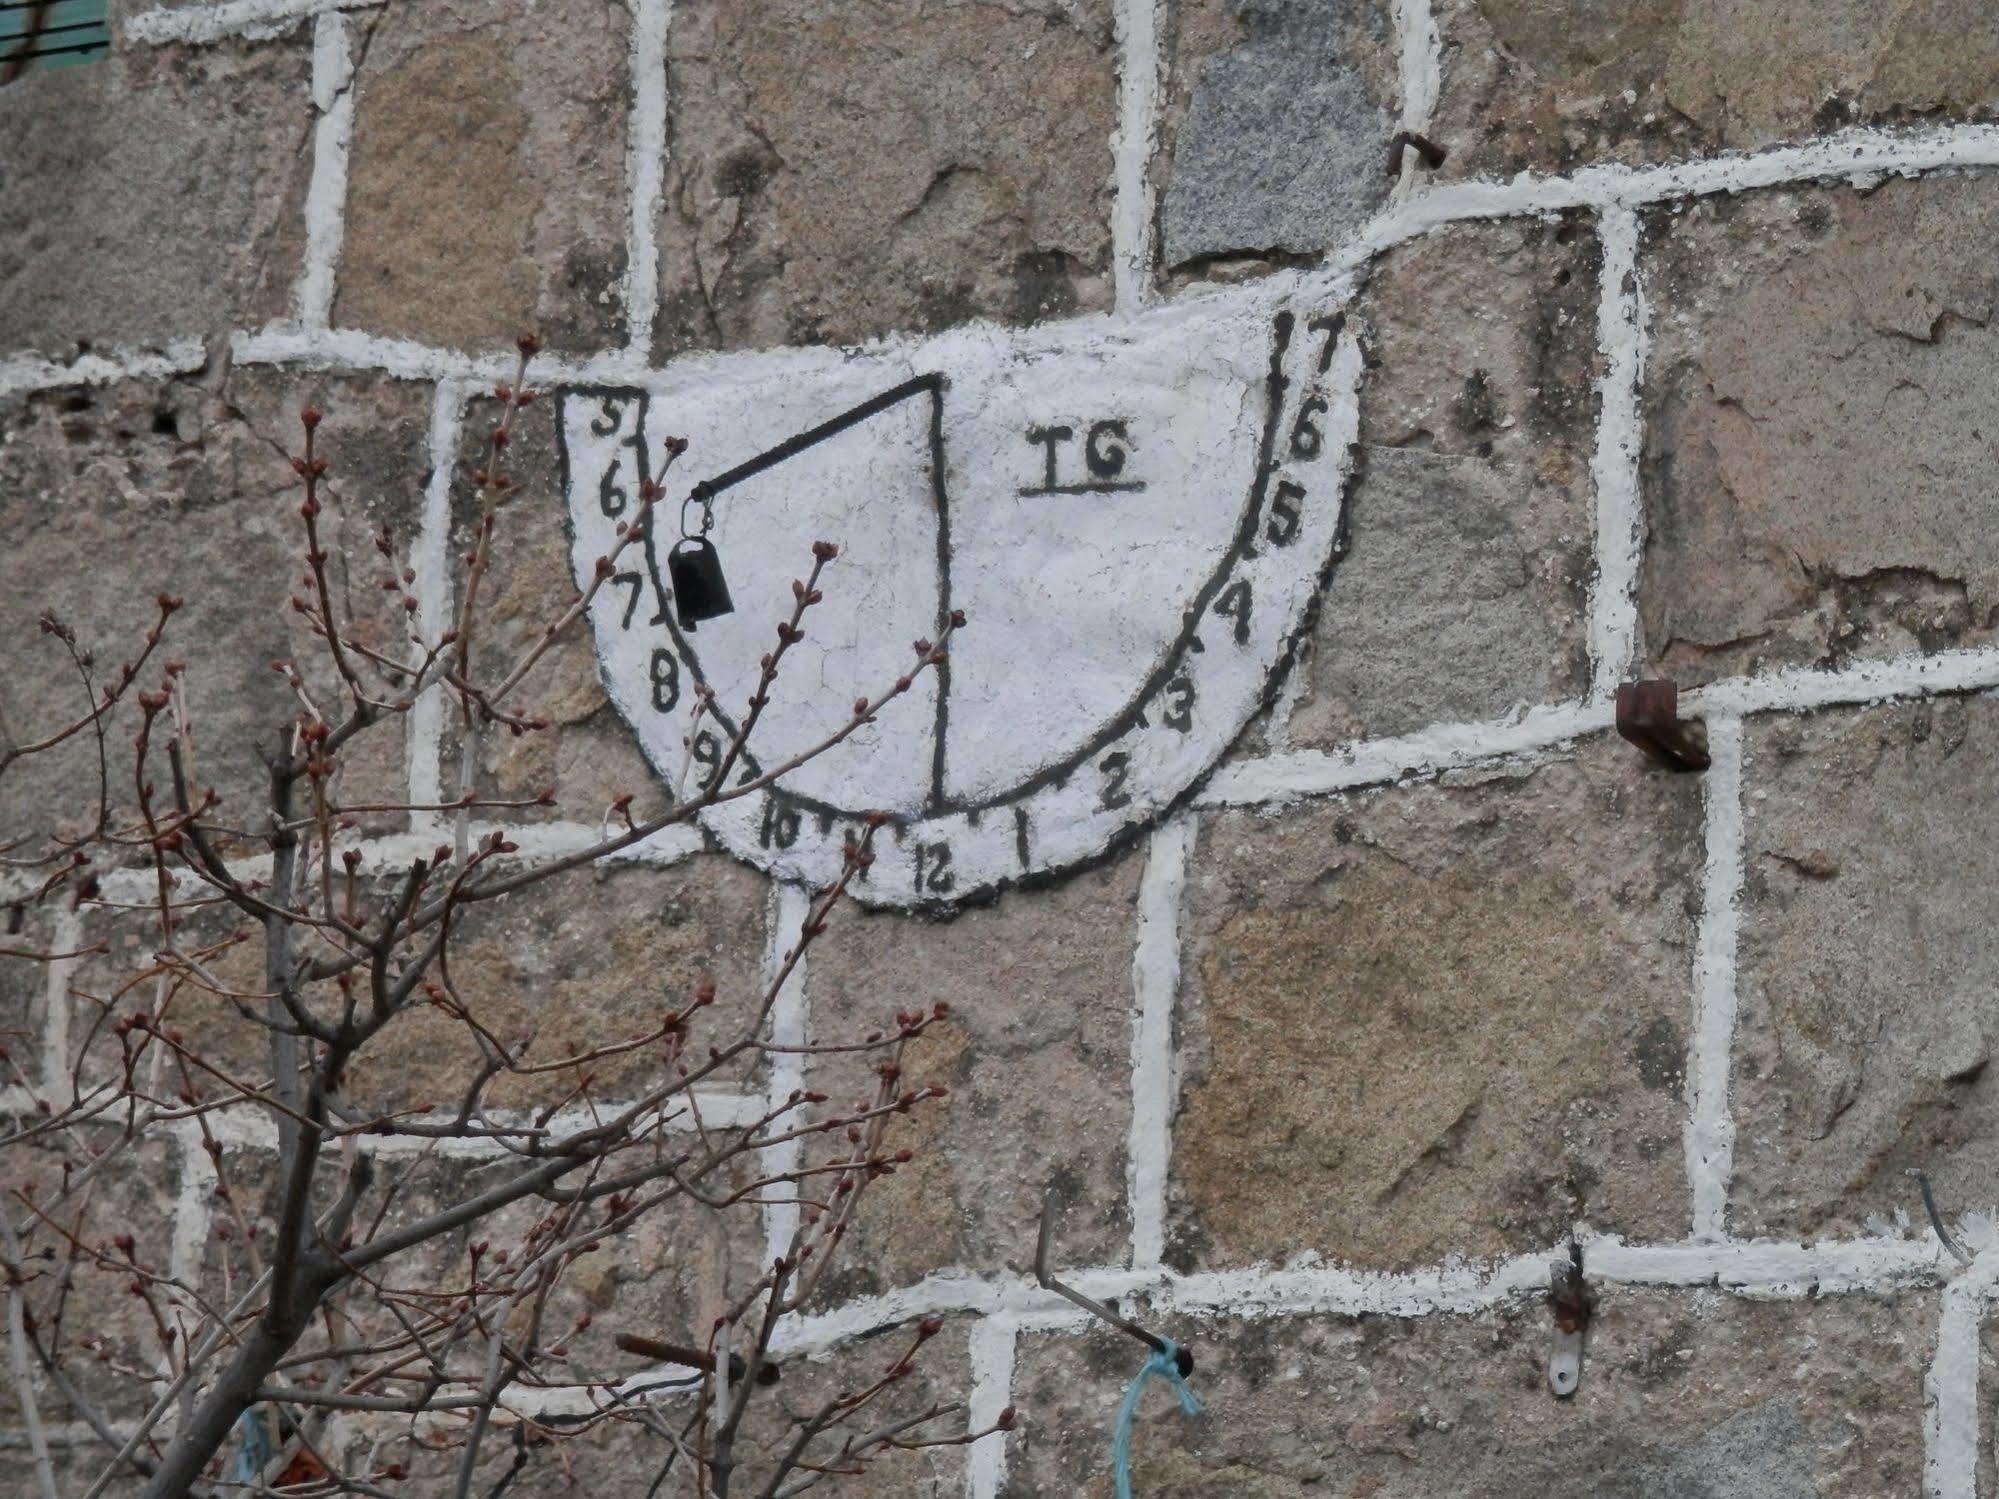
(1679, 364)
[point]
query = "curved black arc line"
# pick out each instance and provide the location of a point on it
(1276, 383)
(1121, 723)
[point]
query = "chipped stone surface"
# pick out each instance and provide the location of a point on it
(1276, 128)
(1550, 85)
(111, 495)
(1462, 592)
(1695, 1396)
(486, 185)
(838, 171)
(149, 196)
(1439, 1019)
(1867, 986)
(1037, 1055)
(1818, 468)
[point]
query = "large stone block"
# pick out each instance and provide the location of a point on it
(1818, 486)
(1036, 1053)
(486, 190)
(1275, 127)
(150, 196)
(836, 172)
(582, 961)
(112, 495)
(1868, 977)
(1552, 84)
(1463, 590)
(1439, 1019)
(1697, 1396)
(587, 755)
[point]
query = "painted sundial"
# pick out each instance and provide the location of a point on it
(1134, 517)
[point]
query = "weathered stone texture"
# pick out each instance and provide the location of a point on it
(1818, 471)
(1274, 136)
(1694, 1396)
(1462, 593)
(1555, 84)
(586, 755)
(148, 196)
(486, 189)
(1439, 1019)
(838, 171)
(111, 495)
(584, 961)
(1036, 1054)
(1819, 466)
(1867, 968)
(131, 1188)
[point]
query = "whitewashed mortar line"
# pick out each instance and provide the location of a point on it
(1710, 1142)
(1950, 1387)
(790, 905)
(1155, 987)
(645, 172)
(1419, 67)
(1274, 780)
(65, 935)
(1613, 605)
(190, 1213)
(347, 350)
(21, 373)
(424, 730)
(326, 195)
(1136, 23)
(257, 20)
(992, 1347)
(1855, 153)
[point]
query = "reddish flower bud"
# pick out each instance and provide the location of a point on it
(310, 417)
(825, 551)
(528, 344)
(676, 445)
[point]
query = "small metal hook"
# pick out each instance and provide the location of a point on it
(1948, 1239)
(1183, 1359)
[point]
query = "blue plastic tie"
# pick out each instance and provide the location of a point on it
(253, 1454)
(1166, 1364)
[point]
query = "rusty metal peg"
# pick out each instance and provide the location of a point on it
(1648, 714)
(1428, 151)
(1183, 1359)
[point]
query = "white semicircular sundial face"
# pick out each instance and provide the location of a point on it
(1134, 519)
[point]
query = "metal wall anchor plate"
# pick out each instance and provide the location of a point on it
(1572, 1301)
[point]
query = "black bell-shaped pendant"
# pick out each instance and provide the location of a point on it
(695, 571)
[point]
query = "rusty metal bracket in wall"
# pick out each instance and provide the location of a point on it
(1648, 714)
(1572, 1301)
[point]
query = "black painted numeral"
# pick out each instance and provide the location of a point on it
(665, 680)
(1306, 438)
(611, 496)
(1285, 514)
(1179, 703)
(707, 753)
(934, 875)
(1116, 767)
(1330, 326)
(636, 583)
(1235, 604)
(608, 420)
(780, 825)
